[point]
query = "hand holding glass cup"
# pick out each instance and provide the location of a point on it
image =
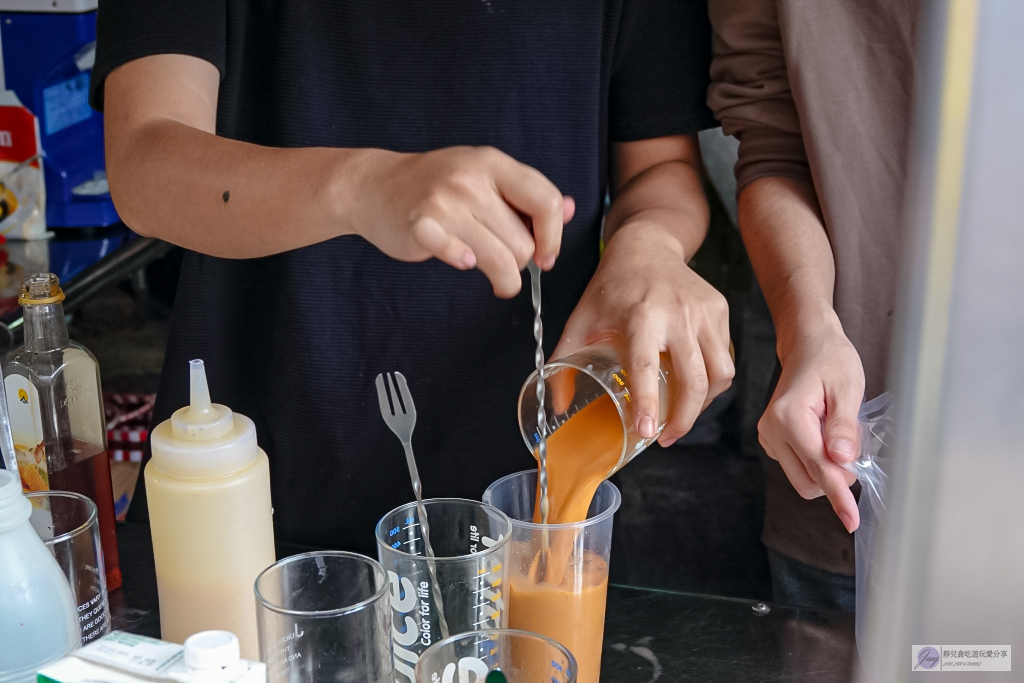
(593, 379)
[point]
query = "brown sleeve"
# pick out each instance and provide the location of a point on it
(750, 91)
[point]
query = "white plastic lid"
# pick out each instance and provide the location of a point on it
(203, 439)
(212, 650)
(14, 506)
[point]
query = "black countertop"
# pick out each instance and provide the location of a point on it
(649, 635)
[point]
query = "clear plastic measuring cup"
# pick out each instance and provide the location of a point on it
(470, 543)
(564, 596)
(522, 656)
(594, 378)
(323, 617)
(69, 525)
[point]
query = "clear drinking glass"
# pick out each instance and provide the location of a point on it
(521, 656)
(470, 543)
(69, 526)
(589, 378)
(323, 617)
(560, 592)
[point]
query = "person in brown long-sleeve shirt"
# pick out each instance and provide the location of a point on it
(819, 95)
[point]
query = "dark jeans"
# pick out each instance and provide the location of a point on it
(800, 585)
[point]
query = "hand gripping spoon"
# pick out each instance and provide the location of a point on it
(401, 419)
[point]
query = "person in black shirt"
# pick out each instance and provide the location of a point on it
(351, 180)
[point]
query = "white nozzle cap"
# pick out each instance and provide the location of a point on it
(200, 420)
(212, 650)
(203, 440)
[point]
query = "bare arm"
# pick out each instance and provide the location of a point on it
(658, 181)
(822, 380)
(172, 177)
(645, 292)
(789, 250)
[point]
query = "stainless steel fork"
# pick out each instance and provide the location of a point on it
(400, 416)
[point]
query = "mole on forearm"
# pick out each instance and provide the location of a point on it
(227, 196)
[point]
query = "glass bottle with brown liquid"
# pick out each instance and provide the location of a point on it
(56, 408)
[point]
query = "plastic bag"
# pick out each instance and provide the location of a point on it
(22, 185)
(21, 206)
(872, 468)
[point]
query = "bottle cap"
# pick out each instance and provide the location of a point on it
(212, 650)
(14, 506)
(200, 420)
(203, 440)
(39, 289)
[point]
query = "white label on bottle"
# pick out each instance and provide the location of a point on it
(27, 430)
(132, 653)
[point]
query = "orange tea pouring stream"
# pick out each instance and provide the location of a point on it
(564, 596)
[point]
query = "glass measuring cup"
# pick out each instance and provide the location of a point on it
(323, 617)
(564, 598)
(594, 378)
(470, 542)
(521, 656)
(69, 525)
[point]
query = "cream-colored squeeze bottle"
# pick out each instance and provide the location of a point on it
(208, 486)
